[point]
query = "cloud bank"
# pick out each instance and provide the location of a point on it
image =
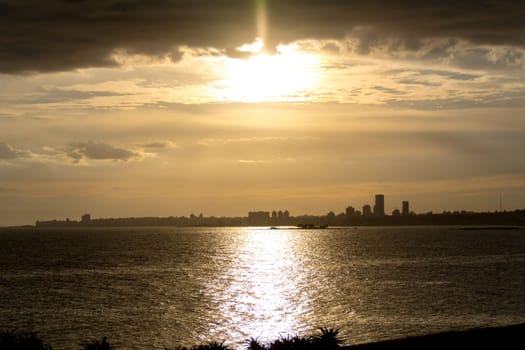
(67, 34)
(98, 151)
(7, 152)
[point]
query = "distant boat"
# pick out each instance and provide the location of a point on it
(311, 226)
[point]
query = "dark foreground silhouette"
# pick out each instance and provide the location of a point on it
(509, 337)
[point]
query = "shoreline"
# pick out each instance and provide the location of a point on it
(505, 337)
(501, 337)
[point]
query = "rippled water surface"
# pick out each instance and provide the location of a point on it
(147, 288)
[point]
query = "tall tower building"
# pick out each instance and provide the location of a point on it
(367, 210)
(379, 206)
(406, 208)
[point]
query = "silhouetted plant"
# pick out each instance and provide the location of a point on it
(22, 340)
(210, 346)
(328, 339)
(255, 344)
(292, 343)
(97, 345)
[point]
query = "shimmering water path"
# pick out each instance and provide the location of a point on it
(147, 288)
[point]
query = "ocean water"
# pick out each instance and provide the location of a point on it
(150, 288)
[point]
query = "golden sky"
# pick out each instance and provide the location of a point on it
(157, 108)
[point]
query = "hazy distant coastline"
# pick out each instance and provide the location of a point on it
(503, 218)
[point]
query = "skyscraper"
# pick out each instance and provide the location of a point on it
(367, 210)
(379, 206)
(406, 208)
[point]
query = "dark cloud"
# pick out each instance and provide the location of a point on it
(419, 82)
(158, 144)
(487, 21)
(97, 151)
(449, 75)
(64, 35)
(57, 95)
(8, 152)
(424, 77)
(483, 58)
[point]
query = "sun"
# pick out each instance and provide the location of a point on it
(287, 75)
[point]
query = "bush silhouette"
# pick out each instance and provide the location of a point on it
(292, 343)
(255, 344)
(210, 346)
(328, 339)
(22, 340)
(97, 345)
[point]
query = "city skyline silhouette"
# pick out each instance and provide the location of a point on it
(369, 216)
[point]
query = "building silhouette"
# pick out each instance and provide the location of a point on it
(513, 219)
(259, 218)
(85, 218)
(379, 206)
(405, 208)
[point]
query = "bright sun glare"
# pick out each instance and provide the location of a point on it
(288, 75)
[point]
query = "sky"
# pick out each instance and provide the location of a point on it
(172, 107)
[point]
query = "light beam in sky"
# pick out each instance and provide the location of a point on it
(261, 19)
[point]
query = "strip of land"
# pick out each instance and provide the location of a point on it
(496, 338)
(491, 220)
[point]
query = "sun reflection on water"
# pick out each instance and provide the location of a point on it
(262, 298)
